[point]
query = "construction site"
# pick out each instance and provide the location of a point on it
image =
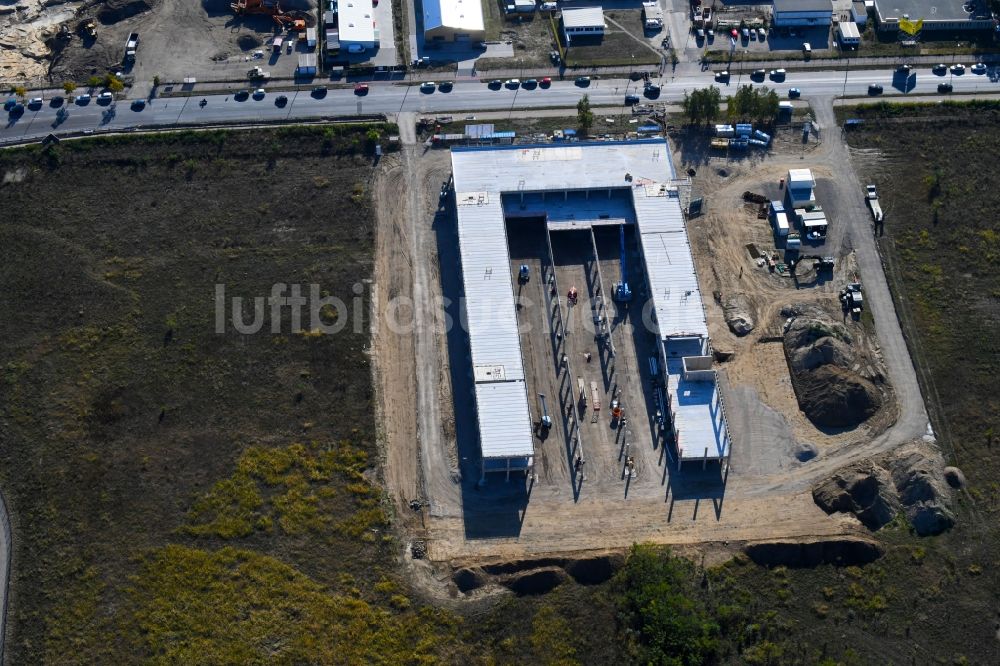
(620, 368)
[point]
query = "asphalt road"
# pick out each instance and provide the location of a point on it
(465, 96)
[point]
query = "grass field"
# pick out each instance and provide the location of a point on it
(180, 494)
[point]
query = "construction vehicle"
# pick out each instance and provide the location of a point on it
(257, 73)
(852, 299)
(623, 294)
(131, 44)
(87, 29)
(871, 196)
(297, 20)
(523, 274)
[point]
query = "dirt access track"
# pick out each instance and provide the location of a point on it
(178, 39)
(428, 420)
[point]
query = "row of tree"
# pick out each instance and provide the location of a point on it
(748, 104)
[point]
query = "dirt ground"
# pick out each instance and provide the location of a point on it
(178, 39)
(522, 518)
(720, 238)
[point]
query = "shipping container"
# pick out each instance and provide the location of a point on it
(744, 129)
(780, 224)
(725, 130)
(761, 136)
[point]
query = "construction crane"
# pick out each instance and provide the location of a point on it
(622, 292)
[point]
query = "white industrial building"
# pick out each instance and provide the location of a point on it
(357, 25)
(483, 177)
(801, 188)
(802, 13)
(951, 15)
(583, 22)
(848, 35)
(652, 15)
(454, 20)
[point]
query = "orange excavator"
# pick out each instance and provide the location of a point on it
(295, 20)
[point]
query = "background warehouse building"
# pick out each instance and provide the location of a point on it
(688, 388)
(936, 14)
(454, 20)
(802, 13)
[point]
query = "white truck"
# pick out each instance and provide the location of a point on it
(871, 196)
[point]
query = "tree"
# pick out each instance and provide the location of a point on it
(584, 116)
(658, 602)
(702, 104)
(94, 81)
(20, 91)
(690, 106)
(156, 80)
(69, 87)
(115, 84)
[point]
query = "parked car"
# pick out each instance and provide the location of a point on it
(903, 69)
(807, 49)
(496, 84)
(794, 93)
(979, 68)
(513, 83)
(105, 98)
(958, 68)
(83, 99)
(359, 89)
(722, 76)
(530, 83)
(753, 34)
(319, 91)
(778, 74)
(758, 74)
(746, 33)
(446, 86)
(711, 35)
(874, 89)
(940, 68)
(281, 100)
(583, 81)
(631, 99)
(761, 34)
(428, 86)
(138, 104)
(259, 93)
(57, 101)
(35, 103)
(545, 82)
(944, 87)
(241, 95)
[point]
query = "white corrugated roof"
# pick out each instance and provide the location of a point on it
(559, 167)
(356, 23)
(461, 15)
(798, 176)
(504, 420)
(491, 318)
(581, 17)
(673, 283)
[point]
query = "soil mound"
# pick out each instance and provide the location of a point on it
(248, 42)
(836, 397)
(736, 310)
(120, 10)
(822, 359)
(911, 480)
(864, 489)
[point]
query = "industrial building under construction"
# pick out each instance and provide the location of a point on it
(584, 317)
